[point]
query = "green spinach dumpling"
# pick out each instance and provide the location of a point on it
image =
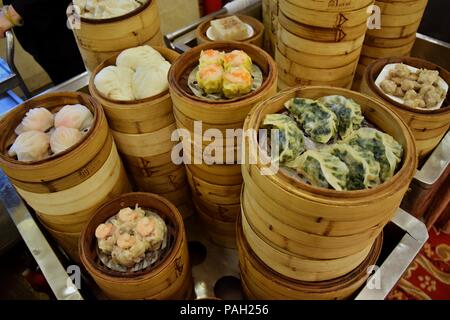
(364, 170)
(291, 139)
(387, 151)
(322, 169)
(317, 120)
(348, 113)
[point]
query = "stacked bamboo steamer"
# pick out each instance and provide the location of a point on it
(216, 187)
(400, 20)
(319, 42)
(270, 19)
(98, 39)
(66, 189)
(309, 234)
(169, 278)
(428, 126)
(258, 30)
(142, 130)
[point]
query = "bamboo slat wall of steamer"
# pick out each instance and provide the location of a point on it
(400, 20)
(270, 19)
(319, 42)
(142, 130)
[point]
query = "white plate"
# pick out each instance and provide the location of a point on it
(384, 74)
(250, 33)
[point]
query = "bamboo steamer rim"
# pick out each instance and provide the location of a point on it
(193, 56)
(167, 53)
(32, 103)
(247, 253)
(118, 18)
(374, 69)
(299, 188)
(111, 208)
(257, 26)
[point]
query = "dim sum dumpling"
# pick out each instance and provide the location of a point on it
(37, 119)
(115, 83)
(317, 121)
(236, 82)
(237, 59)
(150, 80)
(74, 116)
(364, 170)
(210, 78)
(135, 57)
(322, 169)
(63, 138)
(347, 111)
(387, 151)
(30, 146)
(291, 139)
(210, 57)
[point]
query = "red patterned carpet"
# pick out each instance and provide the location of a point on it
(428, 277)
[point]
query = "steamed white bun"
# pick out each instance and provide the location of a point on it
(114, 82)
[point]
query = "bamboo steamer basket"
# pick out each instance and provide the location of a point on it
(66, 189)
(257, 39)
(388, 20)
(395, 32)
(169, 278)
(270, 18)
(428, 126)
(262, 283)
(341, 18)
(320, 223)
(389, 43)
(379, 52)
(216, 187)
(291, 80)
(98, 39)
(401, 7)
(332, 6)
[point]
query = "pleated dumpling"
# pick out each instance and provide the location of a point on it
(317, 121)
(74, 116)
(150, 80)
(237, 59)
(291, 139)
(30, 146)
(387, 151)
(322, 169)
(210, 78)
(237, 82)
(209, 57)
(115, 83)
(348, 113)
(63, 138)
(134, 57)
(37, 119)
(364, 170)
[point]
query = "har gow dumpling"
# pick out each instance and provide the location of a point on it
(114, 82)
(74, 116)
(135, 57)
(30, 146)
(37, 119)
(150, 80)
(63, 138)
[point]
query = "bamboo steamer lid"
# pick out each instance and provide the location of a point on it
(258, 28)
(428, 126)
(168, 278)
(98, 39)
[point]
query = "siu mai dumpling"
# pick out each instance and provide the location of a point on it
(30, 146)
(364, 170)
(210, 78)
(150, 80)
(134, 57)
(237, 59)
(237, 82)
(63, 138)
(291, 139)
(37, 119)
(322, 169)
(317, 121)
(387, 151)
(74, 116)
(347, 111)
(115, 83)
(210, 56)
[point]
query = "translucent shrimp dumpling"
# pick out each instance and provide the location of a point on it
(134, 57)
(37, 119)
(114, 82)
(150, 80)
(30, 146)
(74, 116)
(63, 138)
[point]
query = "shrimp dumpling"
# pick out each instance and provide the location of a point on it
(237, 82)
(134, 57)
(114, 82)
(150, 80)
(30, 146)
(210, 78)
(74, 116)
(37, 119)
(63, 138)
